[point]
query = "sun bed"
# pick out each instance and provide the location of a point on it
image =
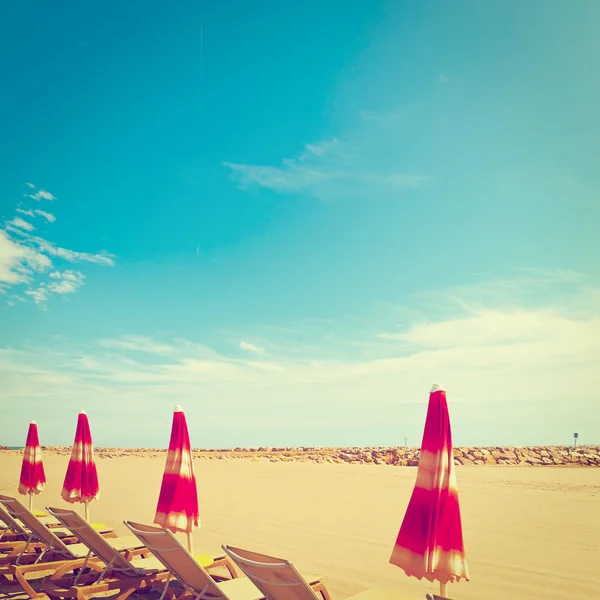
(278, 579)
(49, 553)
(112, 571)
(196, 582)
(32, 527)
(14, 531)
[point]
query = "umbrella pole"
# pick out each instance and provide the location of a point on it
(190, 543)
(87, 511)
(442, 590)
(30, 501)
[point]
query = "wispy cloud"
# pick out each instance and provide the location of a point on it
(39, 295)
(66, 282)
(444, 79)
(138, 343)
(248, 347)
(30, 185)
(48, 216)
(26, 259)
(21, 224)
(504, 368)
(41, 195)
(328, 170)
(27, 212)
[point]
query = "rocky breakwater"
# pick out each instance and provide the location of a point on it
(529, 456)
(585, 456)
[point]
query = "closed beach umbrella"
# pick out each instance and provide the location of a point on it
(81, 480)
(33, 478)
(177, 508)
(430, 541)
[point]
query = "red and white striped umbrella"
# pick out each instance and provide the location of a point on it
(81, 480)
(430, 541)
(33, 478)
(177, 508)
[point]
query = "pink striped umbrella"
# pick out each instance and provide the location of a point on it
(81, 480)
(430, 541)
(177, 508)
(33, 478)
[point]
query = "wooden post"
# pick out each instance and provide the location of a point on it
(87, 511)
(190, 543)
(30, 501)
(443, 590)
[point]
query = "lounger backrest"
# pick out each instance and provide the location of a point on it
(92, 539)
(276, 578)
(38, 530)
(177, 560)
(12, 523)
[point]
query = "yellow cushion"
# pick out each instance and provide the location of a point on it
(39, 513)
(204, 560)
(98, 526)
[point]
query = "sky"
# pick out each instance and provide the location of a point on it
(293, 219)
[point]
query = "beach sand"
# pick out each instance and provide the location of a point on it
(529, 532)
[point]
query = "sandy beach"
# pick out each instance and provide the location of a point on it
(528, 531)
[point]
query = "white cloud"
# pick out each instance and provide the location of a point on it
(30, 185)
(138, 343)
(444, 79)
(28, 212)
(481, 328)
(248, 347)
(70, 281)
(18, 222)
(39, 295)
(48, 216)
(14, 257)
(42, 195)
(11, 256)
(328, 169)
(26, 258)
(519, 375)
(39, 262)
(101, 258)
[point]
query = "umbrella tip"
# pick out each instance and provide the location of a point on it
(178, 408)
(82, 412)
(33, 423)
(437, 387)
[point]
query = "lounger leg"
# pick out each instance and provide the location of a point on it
(4, 580)
(319, 588)
(125, 593)
(224, 562)
(20, 577)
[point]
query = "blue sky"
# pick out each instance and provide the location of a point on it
(292, 220)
